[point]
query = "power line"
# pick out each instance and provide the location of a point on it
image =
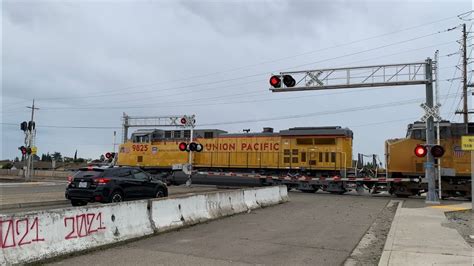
(283, 58)
(255, 75)
(352, 109)
(221, 103)
(256, 81)
(213, 88)
(361, 108)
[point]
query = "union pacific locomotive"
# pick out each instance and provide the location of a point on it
(306, 158)
(317, 150)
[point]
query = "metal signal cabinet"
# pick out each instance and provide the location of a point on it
(318, 149)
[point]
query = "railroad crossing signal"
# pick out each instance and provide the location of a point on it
(436, 150)
(24, 126)
(183, 146)
(23, 150)
(188, 121)
(288, 81)
(110, 155)
(430, 112)
(420, 151)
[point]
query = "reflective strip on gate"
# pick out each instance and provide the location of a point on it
(307, 178)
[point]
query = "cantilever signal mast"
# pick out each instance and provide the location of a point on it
(372, 76)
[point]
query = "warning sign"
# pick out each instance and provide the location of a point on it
(467, 143)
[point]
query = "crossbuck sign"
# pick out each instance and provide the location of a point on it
(431, 112)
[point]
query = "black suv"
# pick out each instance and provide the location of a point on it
(95, 184)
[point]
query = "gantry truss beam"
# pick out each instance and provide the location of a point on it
(357, 77)
(155, 121)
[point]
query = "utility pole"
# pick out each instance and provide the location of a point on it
(465, 112)
(464, 78)
(31, 141)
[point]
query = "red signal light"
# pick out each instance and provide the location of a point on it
(275, 81)
(182, 146)
(420, 151)
(183, 121)
(23, 150)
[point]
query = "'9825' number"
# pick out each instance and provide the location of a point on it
(140, 147)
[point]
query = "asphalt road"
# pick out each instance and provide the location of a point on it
(53, 191)
(31, 192)
(311, 229)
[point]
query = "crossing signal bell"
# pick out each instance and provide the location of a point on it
(183, 146)
(437, 151)
(288, 81)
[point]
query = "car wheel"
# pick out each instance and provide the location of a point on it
(160, 193)
(78, 203)
(116, 197)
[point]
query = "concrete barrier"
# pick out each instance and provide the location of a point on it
(268, 196)
(167, 214)
(284, 194)
(33, 236)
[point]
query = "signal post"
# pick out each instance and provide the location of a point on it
(184, 121)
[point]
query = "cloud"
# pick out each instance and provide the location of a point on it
(199, 57)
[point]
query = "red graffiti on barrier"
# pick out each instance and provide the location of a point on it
(83, 225)
(19, 232)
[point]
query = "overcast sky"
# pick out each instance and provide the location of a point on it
(87, 62)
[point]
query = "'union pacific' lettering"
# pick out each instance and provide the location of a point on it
(261, 146)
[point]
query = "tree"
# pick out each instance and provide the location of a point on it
(17, 159)
(57, 156)
(46, 157)
(7, 166)
(75, 156)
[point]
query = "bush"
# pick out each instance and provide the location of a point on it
(7, 166)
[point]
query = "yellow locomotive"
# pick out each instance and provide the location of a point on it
(322, 150)
(455, 164)
(307, 158)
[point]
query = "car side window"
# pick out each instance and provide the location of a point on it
(139, 175)
(125, 173)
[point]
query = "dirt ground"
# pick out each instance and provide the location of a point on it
(370, 248)
(462, 221)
